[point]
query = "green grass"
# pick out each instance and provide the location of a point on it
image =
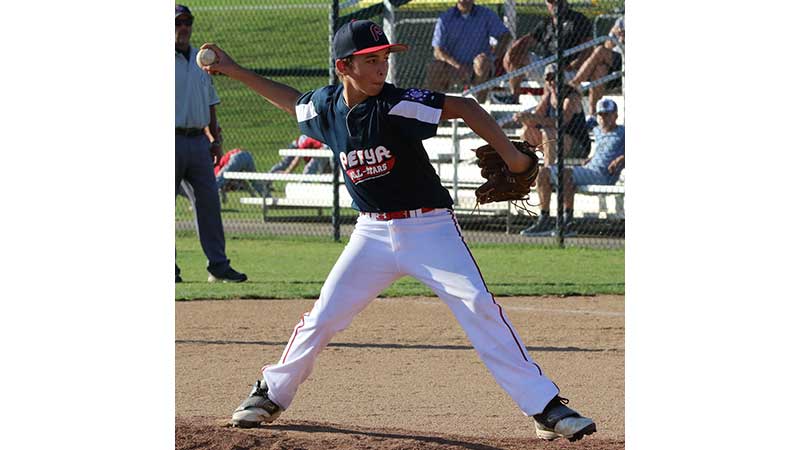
(282, 38)
(297, 267)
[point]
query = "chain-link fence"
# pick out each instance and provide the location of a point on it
(280, 183)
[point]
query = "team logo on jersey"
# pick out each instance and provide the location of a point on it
(417, 95)
(376, 32)
(366, 164)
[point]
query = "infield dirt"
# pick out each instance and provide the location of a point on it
(402, 376)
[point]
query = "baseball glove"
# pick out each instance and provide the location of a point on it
(502, 184)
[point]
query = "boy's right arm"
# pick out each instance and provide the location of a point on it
(283, 96)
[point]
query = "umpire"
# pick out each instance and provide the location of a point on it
(195, 111)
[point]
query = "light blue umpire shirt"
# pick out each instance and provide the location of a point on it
(194, 92)
(464, 38)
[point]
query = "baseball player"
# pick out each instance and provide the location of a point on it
(406, 225)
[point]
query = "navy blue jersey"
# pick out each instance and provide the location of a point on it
(378, 145)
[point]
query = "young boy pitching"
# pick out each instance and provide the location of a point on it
(406, 226)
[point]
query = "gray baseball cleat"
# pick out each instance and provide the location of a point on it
(256, 408)
(557, 420)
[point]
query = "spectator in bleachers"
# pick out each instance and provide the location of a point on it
(313, 165)
(605, 59)
(603, 168)
(577, 29)
(461, 50)
(539, 127)
(236, 160)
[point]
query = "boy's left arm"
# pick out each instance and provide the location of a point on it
(484, 126)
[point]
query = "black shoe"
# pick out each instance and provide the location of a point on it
(178, 279)
(256, 408)
(542, 227)
(570, 228)
(558, 420)
(228, 276)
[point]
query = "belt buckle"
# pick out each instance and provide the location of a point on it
(385, 216)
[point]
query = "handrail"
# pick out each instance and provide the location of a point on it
(270, 176)
(543, 62)
(602, 80)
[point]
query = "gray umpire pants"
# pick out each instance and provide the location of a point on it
(193, 163)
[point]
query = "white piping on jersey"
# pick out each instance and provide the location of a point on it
(414, 110)
(305, 112)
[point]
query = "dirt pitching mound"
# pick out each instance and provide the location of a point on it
(212, 434)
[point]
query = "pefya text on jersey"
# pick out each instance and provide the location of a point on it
(363, 164)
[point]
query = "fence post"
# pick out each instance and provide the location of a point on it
(333, 79)
(510, 10)
(388, 30)
(559, 124)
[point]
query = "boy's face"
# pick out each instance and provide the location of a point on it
(368, 72)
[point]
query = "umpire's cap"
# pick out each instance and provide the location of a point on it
(180, 9)
(360, 37)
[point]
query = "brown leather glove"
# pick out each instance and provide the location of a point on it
(502, 184)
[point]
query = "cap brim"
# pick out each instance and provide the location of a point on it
(183, 14)
(393, 48)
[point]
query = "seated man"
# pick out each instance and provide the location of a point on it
(605, 59)
(236, 160)
(577, 29)
(603, 168)
(461, 50)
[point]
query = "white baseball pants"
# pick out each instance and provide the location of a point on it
(431, 249)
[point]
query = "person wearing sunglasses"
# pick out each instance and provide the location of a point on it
(539, 127)
(541, 43)
(195, 153)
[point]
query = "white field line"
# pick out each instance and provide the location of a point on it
(528, 308)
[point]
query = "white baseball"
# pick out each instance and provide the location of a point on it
(206, 57)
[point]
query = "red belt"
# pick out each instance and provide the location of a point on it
(397, 214)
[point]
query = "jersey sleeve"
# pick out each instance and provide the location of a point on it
(308, 118)
(417, 112)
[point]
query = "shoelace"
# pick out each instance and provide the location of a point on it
(257, 390)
